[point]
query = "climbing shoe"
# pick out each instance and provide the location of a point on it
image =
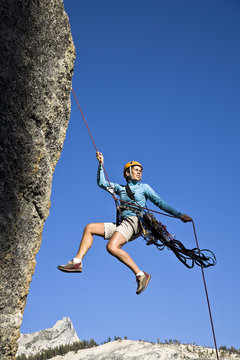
(71, 266)
(142, 281)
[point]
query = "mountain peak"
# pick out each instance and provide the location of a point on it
(62, 333)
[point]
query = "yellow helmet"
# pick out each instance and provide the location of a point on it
(129, 164)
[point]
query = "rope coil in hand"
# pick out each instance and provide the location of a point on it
(156, 233)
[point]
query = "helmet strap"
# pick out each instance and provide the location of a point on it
(130, 173)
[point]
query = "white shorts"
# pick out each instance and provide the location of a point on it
(129, 228)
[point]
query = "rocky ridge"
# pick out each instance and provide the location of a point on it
(61, 333)
(141, 350)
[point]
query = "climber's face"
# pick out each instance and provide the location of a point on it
(136, 173)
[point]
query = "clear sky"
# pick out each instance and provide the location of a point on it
(158, 82)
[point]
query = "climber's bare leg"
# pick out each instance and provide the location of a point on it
(87, 238)
(114, 247)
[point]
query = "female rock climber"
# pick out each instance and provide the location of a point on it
(129, 228)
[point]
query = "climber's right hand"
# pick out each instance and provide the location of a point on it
(99, 157)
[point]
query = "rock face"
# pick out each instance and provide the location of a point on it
(37, 59)
(62, 333)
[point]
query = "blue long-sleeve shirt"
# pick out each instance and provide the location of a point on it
(142, 192)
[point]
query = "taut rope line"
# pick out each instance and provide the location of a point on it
(194, 230)
(206, 292)
(91, 136)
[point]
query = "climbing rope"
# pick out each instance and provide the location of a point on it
(207, 297)
(158, 212)
(91, 137)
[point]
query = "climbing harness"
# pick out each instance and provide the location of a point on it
(153, 211)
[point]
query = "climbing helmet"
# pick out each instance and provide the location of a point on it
(130, 164)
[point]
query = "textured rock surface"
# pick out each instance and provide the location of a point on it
(37, 58)
(61, 333)
(139, 350)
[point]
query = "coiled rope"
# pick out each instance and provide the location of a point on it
(157, 234)
(194, 229)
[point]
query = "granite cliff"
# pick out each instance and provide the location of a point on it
(37, 59)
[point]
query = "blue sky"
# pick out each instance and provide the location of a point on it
(158, 82)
